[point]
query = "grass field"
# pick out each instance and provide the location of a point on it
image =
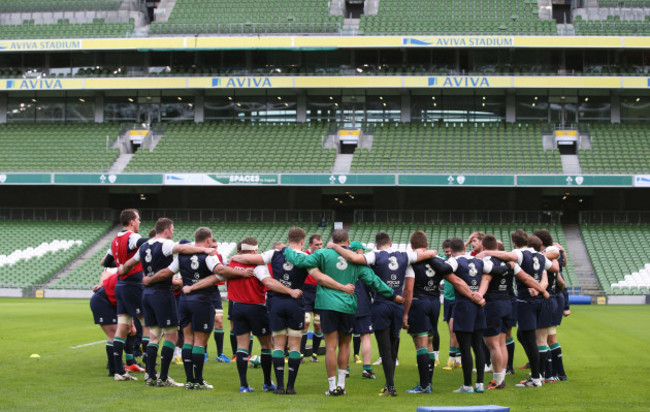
(606, 355)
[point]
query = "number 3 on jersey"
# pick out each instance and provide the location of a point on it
(342, 263)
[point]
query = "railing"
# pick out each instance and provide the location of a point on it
(288, 27)
(617, 217)
(456, 216)
(240, 215)
(58, 214)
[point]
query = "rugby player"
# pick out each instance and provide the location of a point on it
(529, 302)
(196, 307)
(337, 308)
(497, 291)
(469, 316)
(309, 297)
(393, 267)
(421, 320)
(128, 289)
(159, 304)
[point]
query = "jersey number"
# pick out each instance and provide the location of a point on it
(472, 269)
(342, 263)
(194, 262)
(392, 263)
(147, 256)
(536, 264)
(429, 270)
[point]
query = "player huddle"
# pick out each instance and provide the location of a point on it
(350, 290)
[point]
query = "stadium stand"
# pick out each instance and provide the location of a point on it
(249, 17)
(618, 148)
(12, 6)
(438, 232)
(457, 147)
(457, 17)
(227, 234)
(626, 271)
(612, 26)
(63, 28)
(33, 251)
(57, 147)
(237, 147)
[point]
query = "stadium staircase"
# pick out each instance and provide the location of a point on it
(583, 269)
(99, 246)
(571, 165)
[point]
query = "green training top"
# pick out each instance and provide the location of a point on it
(449, 288)
(344, 272)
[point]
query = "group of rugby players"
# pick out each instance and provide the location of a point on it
(349, 288)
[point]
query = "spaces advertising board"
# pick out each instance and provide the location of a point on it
(337, 179)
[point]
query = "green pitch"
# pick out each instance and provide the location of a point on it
(606, 355)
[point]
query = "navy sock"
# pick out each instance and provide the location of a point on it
(510, 345)
(356, 341)
(152, 356)
(267, 362)
(128, 350)
(188, 362)
(198, 353)
(166, 355)
(109, 356)
(303, 343)
(278, 366)
(233, 343)
(118, 348)
(558, 365)
(423, 361)
(242, 366)
(218, 339)
(294, 365)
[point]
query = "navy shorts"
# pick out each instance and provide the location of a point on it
(103, 312)
(387, 315)
(363, 324)
(528, 313)
(559, 308)
(197, 310)
(129, 298)
(468, 317)
(512, 322)
(498, 313)
(448, 311)
(216, 299)
(309, 297)
(286, 313)
(548, 313)
(423, 315)
(333, 321)
(247, 318)
(159, 307)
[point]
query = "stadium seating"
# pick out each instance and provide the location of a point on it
(249, 17)
(457, 17)
(13, 6)
(33, 251)
(237, 148)
(227, 234)
(612, 26)
(457, 147)
(617, 252)
(56, 147)
(65, 29)
(621, 148)
(438, 232)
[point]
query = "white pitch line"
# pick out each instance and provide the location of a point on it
(88, 344)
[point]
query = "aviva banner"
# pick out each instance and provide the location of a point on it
(323, 42)
(326, 82)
